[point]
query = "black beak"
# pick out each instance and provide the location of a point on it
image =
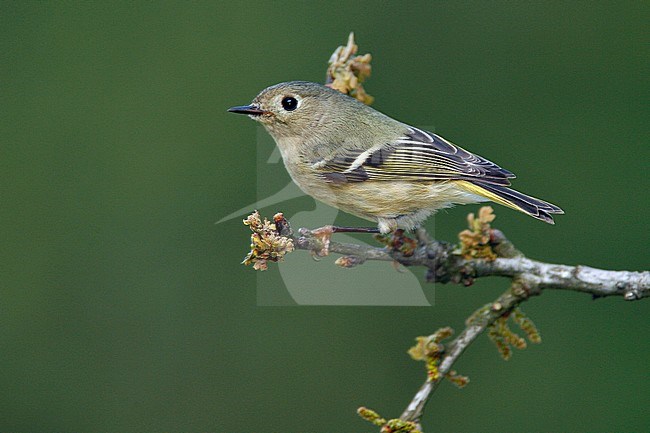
(247, 109)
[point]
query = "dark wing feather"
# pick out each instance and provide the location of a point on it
(419, 155)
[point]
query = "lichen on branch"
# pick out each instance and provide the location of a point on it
(476, 242)
(430, 349)
(267, 242)
(347, 71)
(388, 426)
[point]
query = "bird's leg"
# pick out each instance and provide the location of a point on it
(324, 234)
(337, 229)
(422, 235)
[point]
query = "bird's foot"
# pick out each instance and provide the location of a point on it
(324, 235)
(398, 242)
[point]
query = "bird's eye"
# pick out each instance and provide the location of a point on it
(289, 103)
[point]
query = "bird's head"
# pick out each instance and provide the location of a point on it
(300, 109)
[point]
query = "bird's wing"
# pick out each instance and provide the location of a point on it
(419, 155)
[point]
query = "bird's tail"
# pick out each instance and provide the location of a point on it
(513, 199)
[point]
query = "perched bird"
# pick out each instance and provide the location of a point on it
(353, 157)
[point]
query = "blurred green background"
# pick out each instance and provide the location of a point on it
(124, 307)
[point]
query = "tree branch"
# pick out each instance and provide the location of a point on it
(482, 252)
(529, 278)
(445, 266)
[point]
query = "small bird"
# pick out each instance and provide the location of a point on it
(350, 156)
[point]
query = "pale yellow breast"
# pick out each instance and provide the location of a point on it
(387, 199)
